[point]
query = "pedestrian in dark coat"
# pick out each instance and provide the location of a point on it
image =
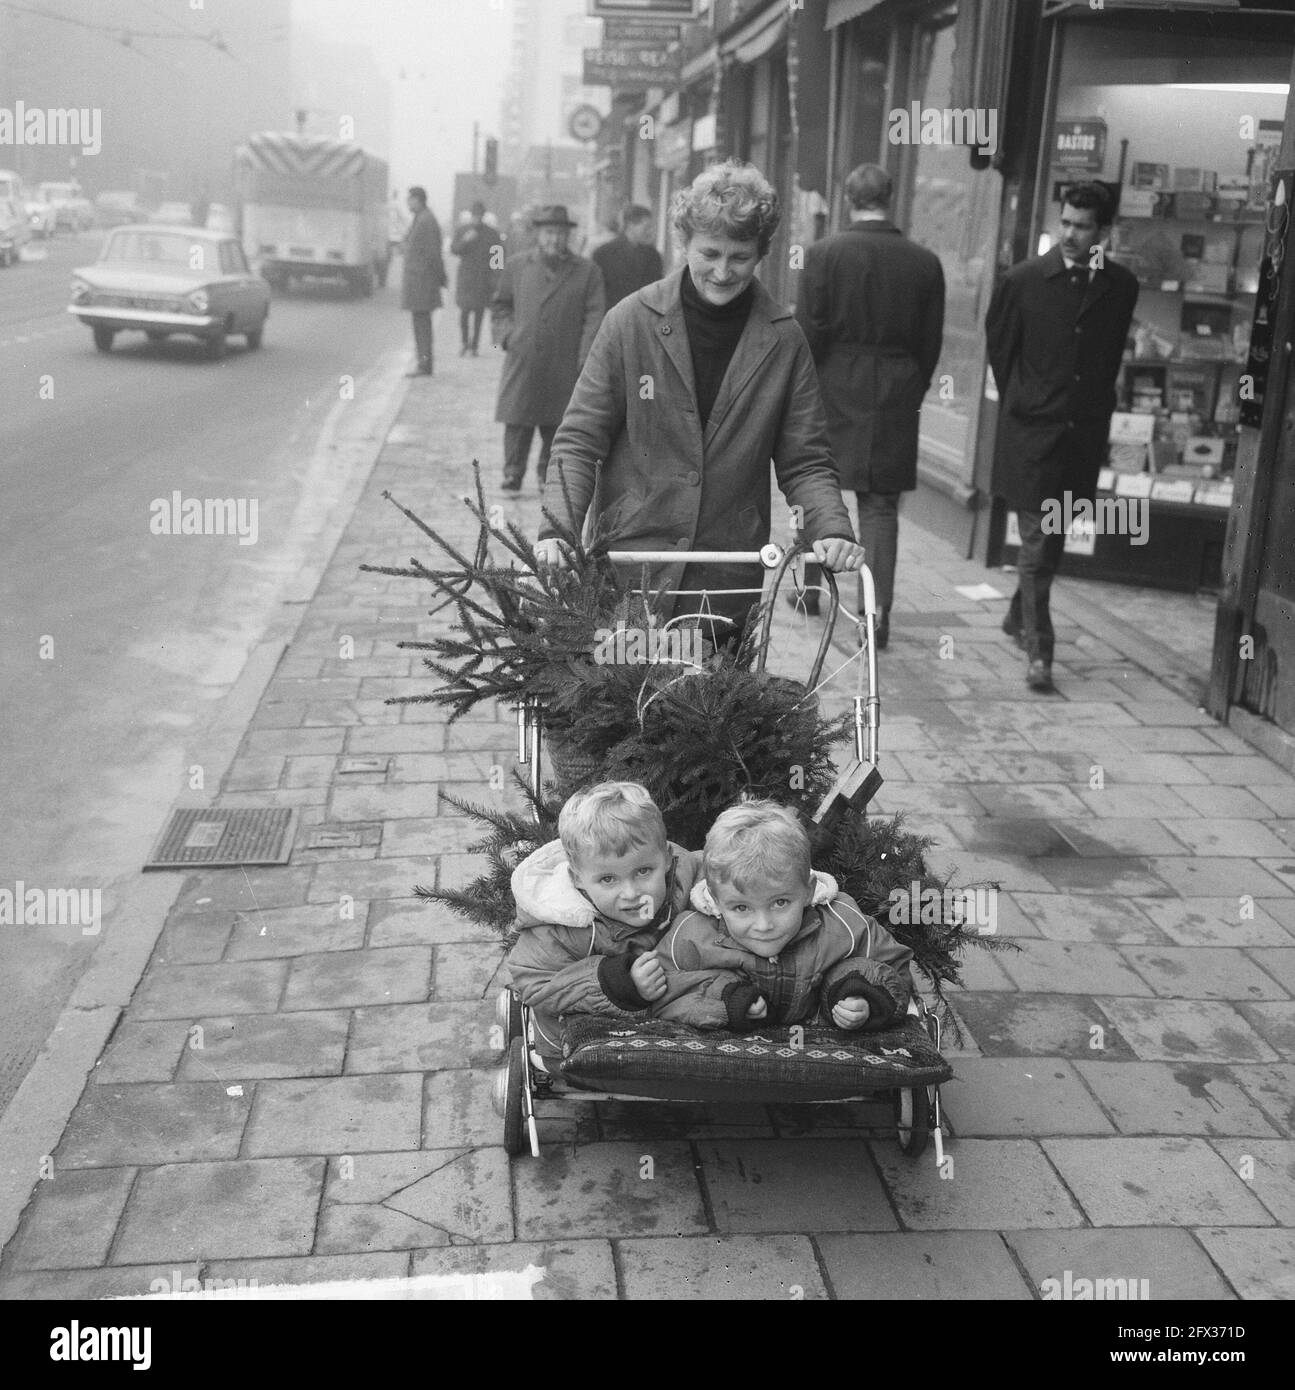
(544, 315)
(422, 278)
(629, 261)
(479, 248)
(695, 383)
(871, 304)
(1057, 328)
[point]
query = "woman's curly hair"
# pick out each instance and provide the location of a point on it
(732, 199)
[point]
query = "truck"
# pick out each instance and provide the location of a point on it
(311, 208)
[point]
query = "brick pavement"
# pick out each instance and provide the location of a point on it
(300, 1088)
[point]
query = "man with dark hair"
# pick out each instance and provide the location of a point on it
(480, 251)
(1056, 329)
(629, 261)
(871, 304)
(423, 277)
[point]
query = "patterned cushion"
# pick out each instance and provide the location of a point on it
(669, 1061)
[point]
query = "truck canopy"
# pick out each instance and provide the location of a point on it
(308, 172)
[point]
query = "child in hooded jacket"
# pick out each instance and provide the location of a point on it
(771, 941)
(591, 905)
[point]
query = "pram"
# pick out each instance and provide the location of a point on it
(620, 1060)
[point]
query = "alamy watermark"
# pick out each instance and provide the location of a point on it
(1068, 1288)
(945, 125)
(205, 516)
(1107, 516)
(949, 907)
(648, 646)
(24, 906)
(61, 125)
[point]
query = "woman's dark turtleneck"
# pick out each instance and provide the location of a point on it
(713, 334)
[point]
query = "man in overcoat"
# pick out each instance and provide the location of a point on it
(478, 246)
(423, 277)
(544, 315)
(871, 304)
(1056, 328)
(629, 260)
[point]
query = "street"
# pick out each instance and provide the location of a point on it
(148, 632)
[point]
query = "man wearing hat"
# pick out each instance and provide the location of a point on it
(544, 315)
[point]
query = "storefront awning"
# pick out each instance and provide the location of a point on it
(838, 11)
(758, 37)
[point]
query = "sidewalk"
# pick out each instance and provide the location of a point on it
(300, 1089)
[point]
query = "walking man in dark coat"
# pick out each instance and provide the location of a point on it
(544, 315)
(1056, 327)
(423, 277)
(629, 261)
(480, 251)
(871, 304)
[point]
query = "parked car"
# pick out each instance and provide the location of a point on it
(117, 207)
(71, 210)
(15, 232)
(41, 217)
(145, 279)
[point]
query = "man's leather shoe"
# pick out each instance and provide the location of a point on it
(1038, 675)
(420, 371)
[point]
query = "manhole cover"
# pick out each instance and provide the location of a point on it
(220, 839)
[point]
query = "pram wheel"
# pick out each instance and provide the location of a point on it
(508, 1083)
(912, 1109)
(508, 1015)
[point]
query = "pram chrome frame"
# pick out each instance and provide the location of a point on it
(518, 1081)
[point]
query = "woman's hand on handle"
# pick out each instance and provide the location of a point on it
(549, 553)
(840, 556)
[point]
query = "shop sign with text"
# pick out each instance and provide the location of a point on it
(1080, 145)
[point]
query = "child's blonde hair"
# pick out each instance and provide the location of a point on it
(610, 818)
(753, 841)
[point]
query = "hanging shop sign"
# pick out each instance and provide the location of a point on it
(646, 11)
(1080, 145)
(1277, 242)
(632, 31)
(632, 65)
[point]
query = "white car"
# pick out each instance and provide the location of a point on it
(41, 217)
(164, 280)
(71, 210)
(14, 231)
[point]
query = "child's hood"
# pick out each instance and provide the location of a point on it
(546, 894)
(825, 890)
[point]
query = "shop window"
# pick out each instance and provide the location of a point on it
(952, 210)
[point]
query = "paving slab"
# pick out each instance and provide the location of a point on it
(345, 979)
(194, 938)
(208, 1211)
(1273, 1088)
(1275, 1024)
(1241, 770)
(429, 834)
(720, 1267)
(398, 738)
(1051, 800)
(1268, 1167)
(142, 1052)
(1000, 1096)
(924, 1265)
(249, 1046)
(293, 931)
(86, 1285)
(422, 1037)
(467, 971)
(984, 1184)
(1091, 917)
(1174, 1098)
(615, 1189)
(1154, 1182)
(335, 1115)
(1123, 876)
(1231, 802)
(415, 800)
(377, 878)
(312, 1269)
(1174, 1030)
(1041, 1025)
(1199, 876)
(1280, 964)
(847, 1120)
(415, 922)
(643, 1121)
(400, 1201)
(1214, 921)
(1073, 967)
(1258, 1264)
(1236, 837)
(457, 1110)
(152, 1123)
(192, 991)
(1172, 1263)
(1202, 972)
(71, 1219)
(1115, 835)
(571, 1271)
(794, 1185)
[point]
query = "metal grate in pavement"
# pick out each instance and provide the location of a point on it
(208, 838)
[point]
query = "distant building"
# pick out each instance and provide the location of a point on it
(176, 105)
